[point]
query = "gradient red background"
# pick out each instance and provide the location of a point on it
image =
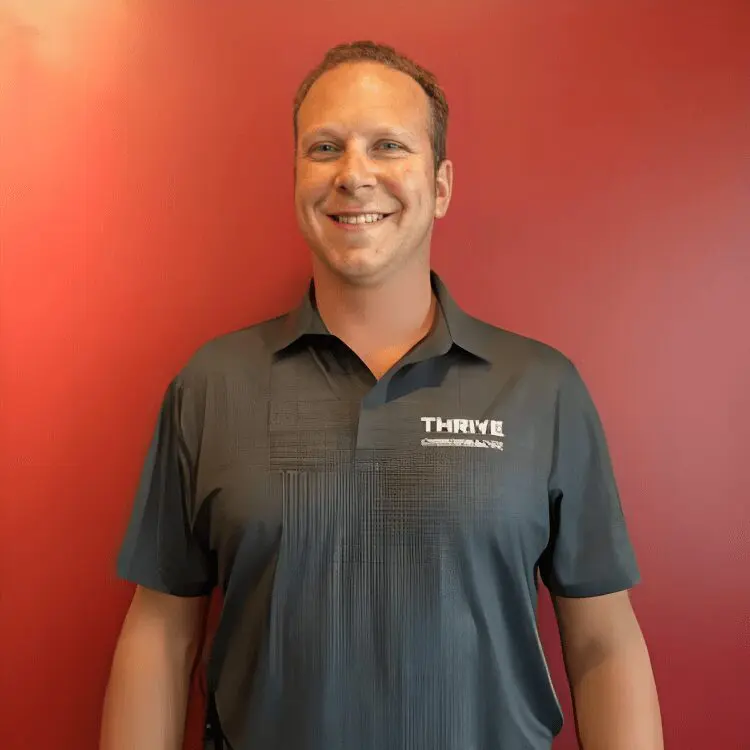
(601, 205)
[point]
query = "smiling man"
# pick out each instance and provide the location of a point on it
(376, 482)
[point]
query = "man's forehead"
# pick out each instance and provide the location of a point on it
(371, 95)
(369, 78)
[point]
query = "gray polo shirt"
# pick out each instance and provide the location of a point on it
(377, 542)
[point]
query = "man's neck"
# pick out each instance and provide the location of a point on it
(380, 322)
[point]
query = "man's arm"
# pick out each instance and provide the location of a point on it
(610, 674)
(147, 696)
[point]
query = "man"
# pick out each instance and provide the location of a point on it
(375, 481)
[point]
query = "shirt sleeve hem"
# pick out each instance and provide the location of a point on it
(595, 588)
(189, 590)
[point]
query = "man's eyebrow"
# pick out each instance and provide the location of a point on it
(320, 132)
(329, 131)
(397, 133)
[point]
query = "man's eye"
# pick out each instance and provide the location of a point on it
(322, 146)
(391, 143)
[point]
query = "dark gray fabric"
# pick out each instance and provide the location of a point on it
(378, 542)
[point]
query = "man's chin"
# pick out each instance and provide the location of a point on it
(357, 266)
(361, 274)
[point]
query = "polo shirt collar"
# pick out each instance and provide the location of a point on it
(462, 329)
(466, 331)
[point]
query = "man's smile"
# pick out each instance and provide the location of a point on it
(358, 222)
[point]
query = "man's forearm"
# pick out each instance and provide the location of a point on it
(616, 703)
(146, 701)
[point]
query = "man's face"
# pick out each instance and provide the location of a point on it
(364, 154)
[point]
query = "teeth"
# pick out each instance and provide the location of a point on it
(361, 219)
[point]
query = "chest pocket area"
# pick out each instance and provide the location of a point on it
(444, 484)
(438, 497)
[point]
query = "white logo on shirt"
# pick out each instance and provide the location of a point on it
(467, 427)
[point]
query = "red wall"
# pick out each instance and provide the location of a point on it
(146, 205)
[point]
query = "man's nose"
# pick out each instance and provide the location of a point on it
(356, 171)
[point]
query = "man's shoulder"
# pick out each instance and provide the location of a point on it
(242, 351)
(504, 348)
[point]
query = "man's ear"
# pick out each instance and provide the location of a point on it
(443, 188)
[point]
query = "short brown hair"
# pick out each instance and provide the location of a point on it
(366, 51)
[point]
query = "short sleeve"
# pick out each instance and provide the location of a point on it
(160, 549)
(590, 552)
